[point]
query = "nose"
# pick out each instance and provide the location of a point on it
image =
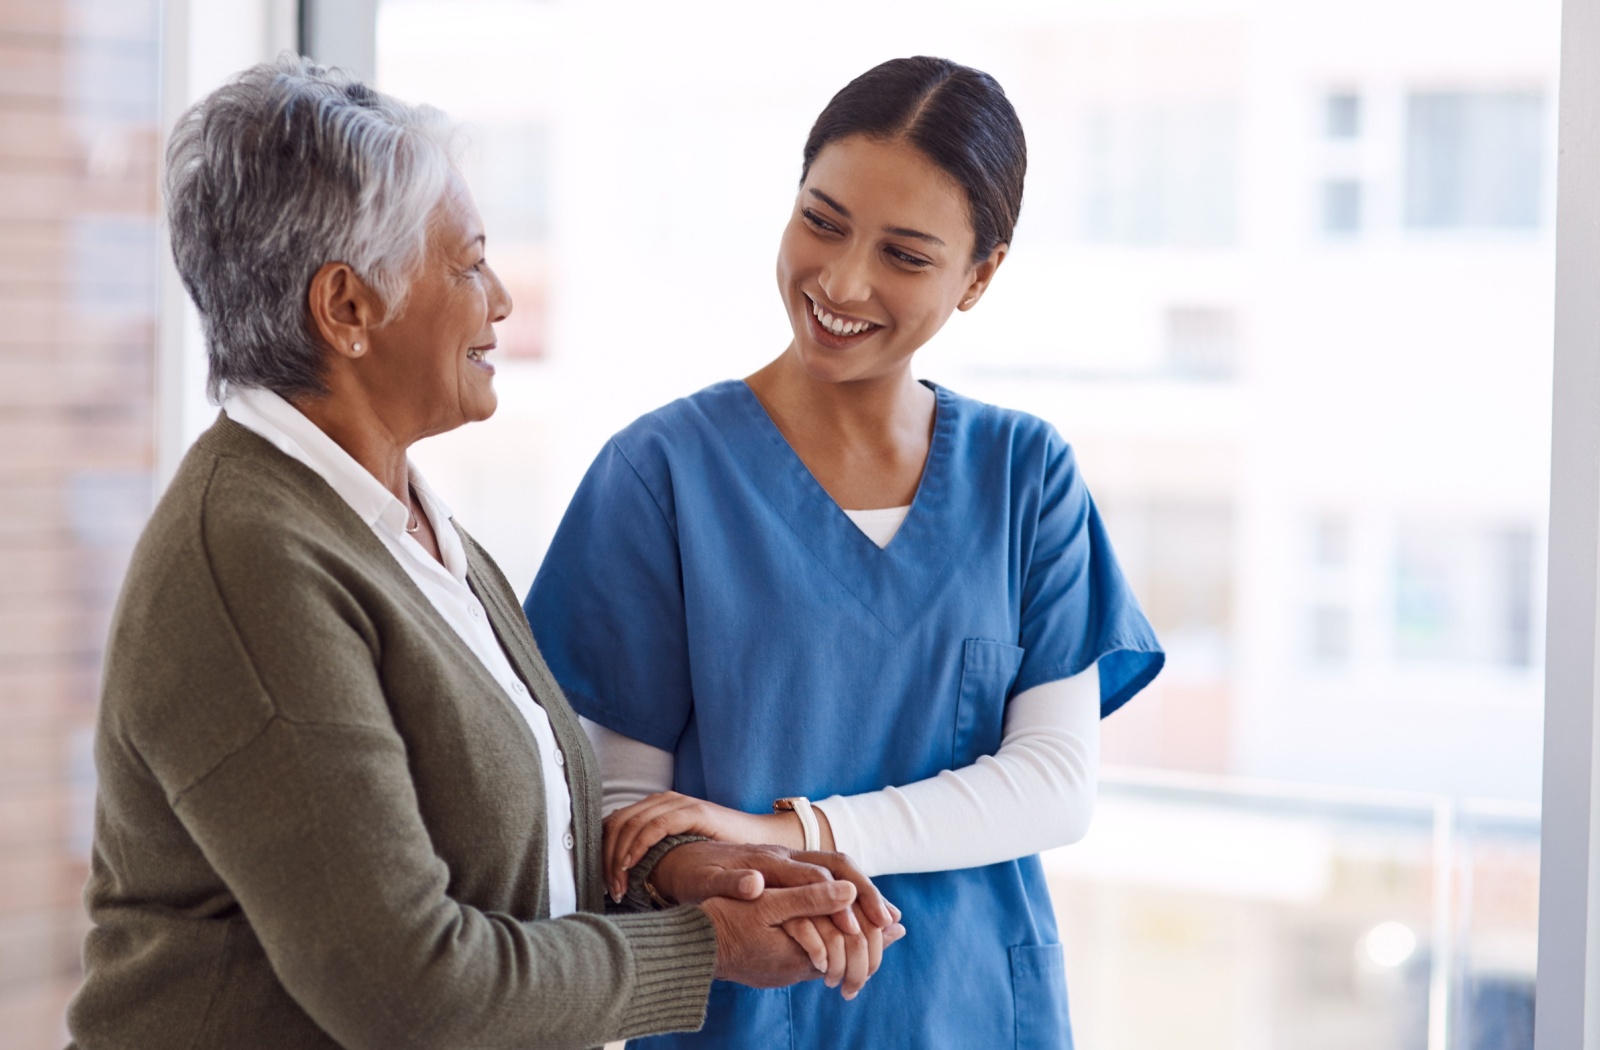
(499, 298)
(846, 278)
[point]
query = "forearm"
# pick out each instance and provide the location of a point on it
(361, 929)
(1036, 793)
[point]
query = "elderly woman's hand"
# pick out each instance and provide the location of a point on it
(846, 946)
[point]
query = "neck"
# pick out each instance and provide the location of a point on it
(355, 426)
(881, 410)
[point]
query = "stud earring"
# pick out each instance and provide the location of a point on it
(355, 348)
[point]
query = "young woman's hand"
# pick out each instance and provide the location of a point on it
(845, 960)
(632, 830)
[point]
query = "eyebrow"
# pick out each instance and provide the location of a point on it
(478, 239)
(898, 231)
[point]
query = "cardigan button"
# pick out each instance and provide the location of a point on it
(561, 759)
(567, 840)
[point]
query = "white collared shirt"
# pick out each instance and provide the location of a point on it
(445, 586)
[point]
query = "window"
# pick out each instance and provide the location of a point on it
(1474, 160)
(79, 251)
(1160, 175)
(1202, 342)
(1464, 595)
(1341, 206)
(1173, 177)
(1342, 116)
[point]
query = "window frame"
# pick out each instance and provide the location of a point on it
(1567, 1012)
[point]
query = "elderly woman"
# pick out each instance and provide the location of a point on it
(342, 801)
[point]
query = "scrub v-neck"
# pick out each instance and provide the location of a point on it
(895, 583)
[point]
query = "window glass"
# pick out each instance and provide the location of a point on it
(1474, 159)
(1319, 431)
(79, 247)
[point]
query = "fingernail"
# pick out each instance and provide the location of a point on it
(850, 995)
(821, 965)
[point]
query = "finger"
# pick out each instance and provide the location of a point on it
(874, 949)
(782, 869)
(838, 954)
(893, 932)
(611, 866)
(804, 933)
(857, 958)
(814, 900)
(874, 905)
(625, 826)
(648, 824)
(742, 884)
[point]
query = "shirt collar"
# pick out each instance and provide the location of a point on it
(279, 422)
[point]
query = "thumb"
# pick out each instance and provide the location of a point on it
(742, 884)
(818, 898)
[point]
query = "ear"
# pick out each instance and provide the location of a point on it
(982, 274)
(342, 309)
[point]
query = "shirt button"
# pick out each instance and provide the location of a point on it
(561, 759)
(476, 612)
(566, 840)
(518, 688)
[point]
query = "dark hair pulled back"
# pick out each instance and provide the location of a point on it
(957, 116)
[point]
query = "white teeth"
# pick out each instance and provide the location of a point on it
(836, 326)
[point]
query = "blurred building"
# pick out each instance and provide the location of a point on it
(1283, 277)
(78, 139)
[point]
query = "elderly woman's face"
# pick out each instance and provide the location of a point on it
(435, 352)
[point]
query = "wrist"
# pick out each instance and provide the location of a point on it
(655, 872)
(784, 829)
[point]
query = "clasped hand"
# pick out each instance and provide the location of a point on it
(783, 916)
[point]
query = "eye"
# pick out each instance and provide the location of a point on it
(907, 259)
(818, 222)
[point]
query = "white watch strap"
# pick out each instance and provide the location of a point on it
(808, 821)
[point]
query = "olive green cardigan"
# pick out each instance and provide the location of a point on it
(320, 821)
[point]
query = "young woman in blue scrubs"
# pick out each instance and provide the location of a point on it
(891, 607)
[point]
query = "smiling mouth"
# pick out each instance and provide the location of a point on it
(477, 353)
(840, 327)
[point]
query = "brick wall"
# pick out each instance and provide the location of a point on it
(78, 243)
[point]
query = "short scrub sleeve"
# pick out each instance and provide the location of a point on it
(606, 607)
(1077, 609)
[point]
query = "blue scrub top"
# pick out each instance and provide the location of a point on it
(705, 595)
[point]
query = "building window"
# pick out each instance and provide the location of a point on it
(1330, 541)
(1473, 160)
(1465, 595)
(1160, 175)
(1341, 206)
(1342, 116)
(1201, 342)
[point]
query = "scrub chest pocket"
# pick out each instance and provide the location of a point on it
(987, 670)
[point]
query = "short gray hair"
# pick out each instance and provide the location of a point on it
(285, 168)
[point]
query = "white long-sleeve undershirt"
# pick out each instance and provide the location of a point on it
(1035, 793)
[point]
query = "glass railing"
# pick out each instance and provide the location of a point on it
(1207, 911)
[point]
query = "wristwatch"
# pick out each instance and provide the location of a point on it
(800, 806)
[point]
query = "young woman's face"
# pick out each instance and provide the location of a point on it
(876, 256)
